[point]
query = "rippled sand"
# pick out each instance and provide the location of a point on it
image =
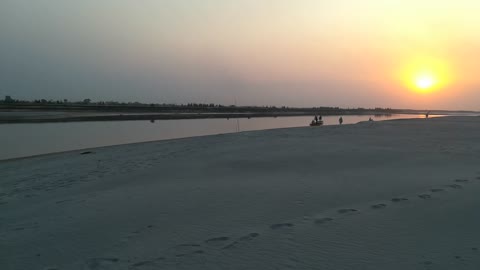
(384, 195)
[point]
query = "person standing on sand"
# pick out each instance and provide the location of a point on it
(340, 120)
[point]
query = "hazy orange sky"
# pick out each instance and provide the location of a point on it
(346, 53)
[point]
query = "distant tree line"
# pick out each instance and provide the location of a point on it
(88, 104)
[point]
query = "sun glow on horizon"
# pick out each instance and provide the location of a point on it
(426, 75)
(425, 82)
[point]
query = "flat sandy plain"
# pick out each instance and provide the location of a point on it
(401, 194)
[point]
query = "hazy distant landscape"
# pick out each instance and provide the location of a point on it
(42, 111)
(239, 135)
(64, 125)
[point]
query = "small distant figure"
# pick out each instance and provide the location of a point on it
(370, 119)
(315, 119)
(427, 115)
(340, 120)
(320, 118)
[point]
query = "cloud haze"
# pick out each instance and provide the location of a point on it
(297, 53)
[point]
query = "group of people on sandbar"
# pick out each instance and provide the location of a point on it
(317, 120)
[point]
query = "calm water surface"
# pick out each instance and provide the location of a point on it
(21, 140)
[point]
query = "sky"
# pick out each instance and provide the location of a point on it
(347, 53)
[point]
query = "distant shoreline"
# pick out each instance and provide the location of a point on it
(16, 114)
(15, 119)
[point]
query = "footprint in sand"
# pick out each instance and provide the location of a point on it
(461, 180)
(455, 186)
(379, 206)
(435, 190)
(143, 264)
(248, 237)
(101, 263)
(191, 253)
(425, 196)
(189, 245)
(217, 239)
(347, 210)
(147, 264)
(323, 220)
(63, 201)
(231, 245)
(399, 199)
(281, 226)
(184, 250)
(427, 263)
(137, 232)
(457, 257)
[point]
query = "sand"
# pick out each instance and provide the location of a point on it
(385, 195)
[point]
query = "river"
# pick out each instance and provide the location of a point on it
(22, 140)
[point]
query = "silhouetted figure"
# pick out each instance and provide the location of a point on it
(340, 120)
(427, 114)
(317, 121)
(370, 119)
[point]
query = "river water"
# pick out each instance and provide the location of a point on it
(22, 140)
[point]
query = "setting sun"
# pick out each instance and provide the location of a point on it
(425, 82)
(426, 75)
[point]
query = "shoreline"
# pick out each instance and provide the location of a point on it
(45, 114)
(154, 117)
(181, 138)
